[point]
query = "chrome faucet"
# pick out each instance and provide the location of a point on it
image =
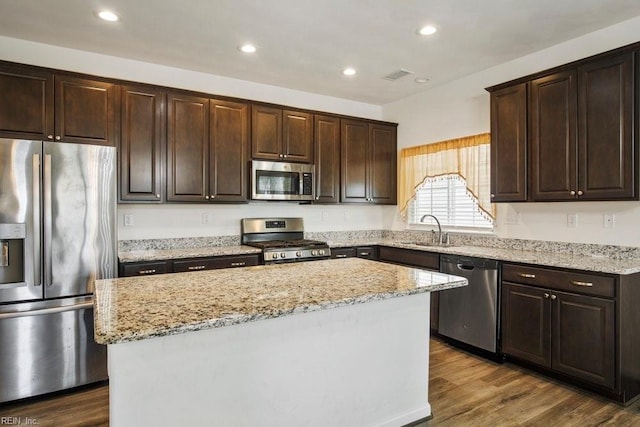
(439, 226)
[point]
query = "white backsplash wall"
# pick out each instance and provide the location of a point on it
(182, 220)
(461, 108)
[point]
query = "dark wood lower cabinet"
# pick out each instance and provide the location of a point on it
(588, 335)
(143, 268)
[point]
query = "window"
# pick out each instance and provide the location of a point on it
(447, 198)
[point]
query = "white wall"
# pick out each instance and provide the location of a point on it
(461, 108)
(165, 221)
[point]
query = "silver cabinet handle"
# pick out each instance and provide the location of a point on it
(49, 136)
(578, 283)
(580, 193)
(206, 197)
(493, 195)
(365, 253)
(527, 275)
(196, 267)
(157, 196)
(573, 193)
(238, 264)
(153, 270)
(58, 138)
(341, 256)
(553, 297)
(546, 295)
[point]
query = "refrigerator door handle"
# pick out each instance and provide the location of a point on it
(47, 221)
(36, 221)
(42, 311)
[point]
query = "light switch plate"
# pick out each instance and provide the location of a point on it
(128, 220)
(572, 220)
(608, 220)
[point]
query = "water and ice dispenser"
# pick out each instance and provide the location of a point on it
(12, 269)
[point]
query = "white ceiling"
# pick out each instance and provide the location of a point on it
(304, 44)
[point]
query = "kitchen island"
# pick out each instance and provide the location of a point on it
(333, 342)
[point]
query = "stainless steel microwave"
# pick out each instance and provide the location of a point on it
(282, 181)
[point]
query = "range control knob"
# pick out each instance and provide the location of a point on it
(274, 255)
(321, 252)
(282, 255)
(314, 252)
(298, 253)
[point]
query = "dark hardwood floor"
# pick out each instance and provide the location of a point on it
(465, 390)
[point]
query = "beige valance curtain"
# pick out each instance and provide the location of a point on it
(467, 157)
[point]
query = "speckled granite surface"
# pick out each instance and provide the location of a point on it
(549, 259)
(136, 308)
(590, 257)
(177, 253)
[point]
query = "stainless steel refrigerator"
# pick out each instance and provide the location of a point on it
(57, 236)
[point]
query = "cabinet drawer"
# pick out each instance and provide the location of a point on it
(367, 252)
(584, 283)
(143, 268)
(422, 259)
(343, 252)
(234, 261)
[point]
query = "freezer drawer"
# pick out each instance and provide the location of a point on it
(48, 346)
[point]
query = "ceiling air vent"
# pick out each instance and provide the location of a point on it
(397, 74)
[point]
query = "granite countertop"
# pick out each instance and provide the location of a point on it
(549, 259)
(137, 308)
(161, 254)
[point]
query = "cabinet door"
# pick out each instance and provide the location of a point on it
(583, 337)
(85, 111)
(327, 158)
(382, 172)
(187, 148)
(229, 149)
(142, 141)
(343, 252)
(354, 169)
(297, 136)
(266, 132)
(145, 268)
(552, 137)
(27, 108)
(367, 252)
(509, 144)
(606, 166)
(526, 320)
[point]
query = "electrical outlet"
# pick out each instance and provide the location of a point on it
(325, 216)
(572, 220)
(128, 220)
(608, 220)
(205, 218)
(347, 216)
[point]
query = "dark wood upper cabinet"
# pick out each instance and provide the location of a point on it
(355, 161)
(509, 144)
(368, 170)
(383, 160)
(278, 134)
(142, 144)
(187, 148)
(85, 111)
(228, 151)
(552, 136)
(26, 110)
(327, 158)
(297, 136)
(39, 104)
(607, 154)
(582, 132)
(266, 132)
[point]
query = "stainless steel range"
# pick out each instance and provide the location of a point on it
(282, 240)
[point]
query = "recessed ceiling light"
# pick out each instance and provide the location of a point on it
(107, 15)
(349, 71)
(421, 79)
(247, 48)
(427, 30)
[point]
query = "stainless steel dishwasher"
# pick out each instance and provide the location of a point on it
(470, 314)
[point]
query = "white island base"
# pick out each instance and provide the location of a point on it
(358, 365)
